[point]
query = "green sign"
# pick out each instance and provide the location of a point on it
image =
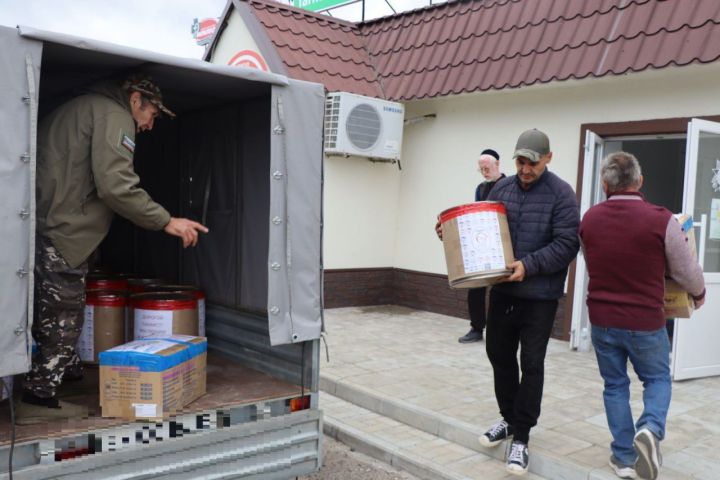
(320, 5)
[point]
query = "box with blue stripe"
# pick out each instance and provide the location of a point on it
(152, 378)
(195, 376)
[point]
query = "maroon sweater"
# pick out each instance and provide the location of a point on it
(624, 242)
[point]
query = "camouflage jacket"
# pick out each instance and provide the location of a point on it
(85, 173)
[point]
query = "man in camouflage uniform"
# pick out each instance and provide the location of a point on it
(84, 176)
(58, 316)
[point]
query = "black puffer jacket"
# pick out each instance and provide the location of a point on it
(544, 222)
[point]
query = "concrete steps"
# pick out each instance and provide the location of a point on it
(424, 455)
(408, 366)
(380, 410)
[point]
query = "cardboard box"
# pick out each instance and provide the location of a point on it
(195, 375)
(678, 302)
(151, 379)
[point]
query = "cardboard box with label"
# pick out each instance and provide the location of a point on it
(678, 302)
(195, 375)
(153, 378)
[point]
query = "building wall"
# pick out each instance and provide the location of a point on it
(379, 243)
(235, 38)
(440, 171)
(439, 167)
(360, 213)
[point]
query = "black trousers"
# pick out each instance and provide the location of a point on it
(476, 307)
(514, 322)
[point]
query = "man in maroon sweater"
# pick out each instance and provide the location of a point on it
(630, 246)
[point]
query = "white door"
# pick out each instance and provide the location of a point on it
(696, 342)
(591, 194)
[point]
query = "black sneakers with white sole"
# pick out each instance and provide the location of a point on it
(496, 434)
(518, 458)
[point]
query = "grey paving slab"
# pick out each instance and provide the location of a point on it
(408, 365)
(426, 456)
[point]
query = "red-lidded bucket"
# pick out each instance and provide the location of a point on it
(477, 244)
(137, 285)
(159, 315)
(105, 281)
(189, 289)
(104, 325)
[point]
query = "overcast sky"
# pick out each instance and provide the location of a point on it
(159, 25)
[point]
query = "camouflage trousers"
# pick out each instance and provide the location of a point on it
(57, 320)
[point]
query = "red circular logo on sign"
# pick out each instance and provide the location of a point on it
(248, 58)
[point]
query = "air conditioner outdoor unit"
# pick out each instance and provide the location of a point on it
(363, 126)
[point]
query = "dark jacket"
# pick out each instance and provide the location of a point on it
(483, 189)
(543, 223)
(85, 174)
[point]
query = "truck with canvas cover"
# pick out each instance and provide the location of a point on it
(244, 157)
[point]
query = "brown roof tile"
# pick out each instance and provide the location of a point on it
(470, 45)
(319, 48)
(499, 44)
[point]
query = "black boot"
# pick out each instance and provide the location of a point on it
(472, 336)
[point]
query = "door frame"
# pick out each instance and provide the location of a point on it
(663, 126)
(681, 346)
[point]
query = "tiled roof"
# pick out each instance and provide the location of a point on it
(470, 45)
(319, 48)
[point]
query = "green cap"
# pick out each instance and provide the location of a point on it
(146, 86)
(532, 144)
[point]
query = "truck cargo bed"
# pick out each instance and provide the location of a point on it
(228, 384)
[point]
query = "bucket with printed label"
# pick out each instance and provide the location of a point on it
(189, 289)
(137, 285)
(161, 314)
(104, 324)
(477, 244)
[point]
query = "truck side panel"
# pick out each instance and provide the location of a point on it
(19, 83)
(295, 264)
(274, 448)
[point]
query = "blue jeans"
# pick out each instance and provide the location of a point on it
(649, 353)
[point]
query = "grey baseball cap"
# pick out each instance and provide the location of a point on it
(532, 144)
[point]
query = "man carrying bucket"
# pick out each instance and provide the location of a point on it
(84, 175)
(489, 167)
(543, 217)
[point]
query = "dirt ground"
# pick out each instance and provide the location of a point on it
(341, 463)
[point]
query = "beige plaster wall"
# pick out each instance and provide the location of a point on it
(235, 37)
(439, 167)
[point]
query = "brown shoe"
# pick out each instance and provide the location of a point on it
(29, 414)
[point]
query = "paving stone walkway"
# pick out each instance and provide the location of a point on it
(409, 365)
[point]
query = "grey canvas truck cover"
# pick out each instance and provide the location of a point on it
(244, 156)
